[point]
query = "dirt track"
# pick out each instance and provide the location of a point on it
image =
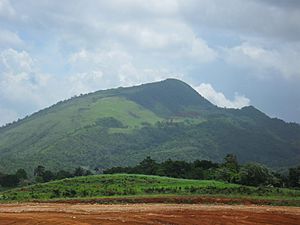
(69, 214)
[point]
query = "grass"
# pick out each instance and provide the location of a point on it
(128, 112)
(124, 185)
(36, 137)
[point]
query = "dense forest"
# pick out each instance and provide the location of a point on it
(229, 170)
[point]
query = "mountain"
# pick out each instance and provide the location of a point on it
(166, 119)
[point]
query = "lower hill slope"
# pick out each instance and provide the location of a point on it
(122, 185)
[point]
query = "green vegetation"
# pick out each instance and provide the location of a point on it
(140, 185)
(120, 127)
(201, 178)
(41, 175)
(230, 170)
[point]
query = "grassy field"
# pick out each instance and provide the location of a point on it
(123, 185)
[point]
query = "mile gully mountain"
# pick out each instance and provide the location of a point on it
(166, 119)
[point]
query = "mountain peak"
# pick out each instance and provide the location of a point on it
(169, 97)
(251, 111)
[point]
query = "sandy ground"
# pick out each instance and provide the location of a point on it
(69, 214)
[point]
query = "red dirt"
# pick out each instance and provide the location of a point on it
(84, 214)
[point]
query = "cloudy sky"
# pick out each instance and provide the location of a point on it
(233, 52)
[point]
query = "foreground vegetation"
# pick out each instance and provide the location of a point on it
(229, 170)
(118, 185)
(201, 178)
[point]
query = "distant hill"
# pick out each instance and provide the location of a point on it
(166, 119)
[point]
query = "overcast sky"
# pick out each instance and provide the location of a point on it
(234, 52)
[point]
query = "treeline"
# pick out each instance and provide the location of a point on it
(13, 180)
(230, 170)
(40, 175)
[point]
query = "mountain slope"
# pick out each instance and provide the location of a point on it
(166, 119)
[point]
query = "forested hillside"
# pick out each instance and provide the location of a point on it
(120, 127)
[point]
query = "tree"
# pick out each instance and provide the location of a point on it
(21, 174)
(147, 166)
(228, 171)
(39, 171)
(47, 176)
(88, 172)
(255, 175)
(118, 169)
(294, 177)
(62, 174)
(225, 174)
(196, 173)
(231, 162)
(204, 164)
(178, 169)
(79, 171)
(9, 180)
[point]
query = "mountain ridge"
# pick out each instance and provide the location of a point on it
(166, 119)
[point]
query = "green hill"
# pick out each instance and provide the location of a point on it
(120, 127)
(118, 185)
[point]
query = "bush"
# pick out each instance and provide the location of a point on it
(9, 180)
(70, 193)
(256, 175)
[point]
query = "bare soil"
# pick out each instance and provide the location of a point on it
(151, 213)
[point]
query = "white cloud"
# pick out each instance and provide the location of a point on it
(171, 39)
(129, 75)
(19, 81)
(22, 88)
(201, 52)
(87, 60)
(219, 99)
(144, 36)
(94, 70)
(266, 19)
(6, 9)
(284, 60)
(15, 62)
(154, 7)
(7, 115)
(8, 38)
(85, 82)
(255, 17)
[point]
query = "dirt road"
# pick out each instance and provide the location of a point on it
(83, 214)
